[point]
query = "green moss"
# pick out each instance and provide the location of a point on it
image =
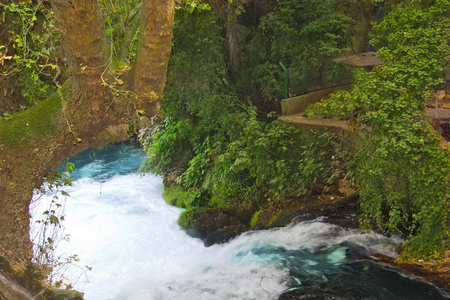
(273, 218)
(36, 122)
(173, 194)
(255, 218)
(211, 225)
(57, 294)
(31, 279)
(264, 218)
(188, 217)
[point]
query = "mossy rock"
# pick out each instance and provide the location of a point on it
(211, 225)
(25, 284)
(264, 218)
(242, 212)
(5, 266)
(336, 209)
(57, 294)
(173, 194)
(32, 278)
(36, 122)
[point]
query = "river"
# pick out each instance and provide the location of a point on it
(120, 226)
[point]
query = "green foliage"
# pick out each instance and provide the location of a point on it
(339, 105)
(303, 35)
(402, 171)
(274, 160)
(167, 144)
(238, 159)
(224, 154)
(306, 30)
(6, 117)
(197, 124)
(197, 106)
(197, 52)
(192, 6)
(35, 46)
(47, 228)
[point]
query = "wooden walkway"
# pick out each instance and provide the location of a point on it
(293, 109)
(300, 119)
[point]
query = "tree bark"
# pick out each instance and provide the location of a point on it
(84, 113)
(153, 54)
(82, 39)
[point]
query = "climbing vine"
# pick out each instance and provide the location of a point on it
(35, 61)
(122, 20)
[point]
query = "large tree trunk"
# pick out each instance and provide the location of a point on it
(83, 114)
(153, 54)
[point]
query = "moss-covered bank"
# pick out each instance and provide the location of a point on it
(29, 284)
(213, 225)
(41, 121)
(218, 224)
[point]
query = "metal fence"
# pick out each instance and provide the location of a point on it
(302, 80)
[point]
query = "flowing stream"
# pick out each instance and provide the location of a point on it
(120, 226)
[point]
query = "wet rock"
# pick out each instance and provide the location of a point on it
(346, 188)
(295, 295)
(10, 290)
(211, 225)
(57, 294)
(336, 209)
(436, 272)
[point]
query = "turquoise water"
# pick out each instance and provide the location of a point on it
(121, 227)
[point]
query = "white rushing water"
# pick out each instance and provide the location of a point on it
(124, 230)
(121, 227)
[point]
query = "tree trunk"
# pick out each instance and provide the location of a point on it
(153, 54)
(84, 113)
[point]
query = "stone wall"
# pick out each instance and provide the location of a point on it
(295, 105)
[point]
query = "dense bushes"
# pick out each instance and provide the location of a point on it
(402, 171)
(220, 149)
(239, 159)
(273, 160)
(404, 174)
